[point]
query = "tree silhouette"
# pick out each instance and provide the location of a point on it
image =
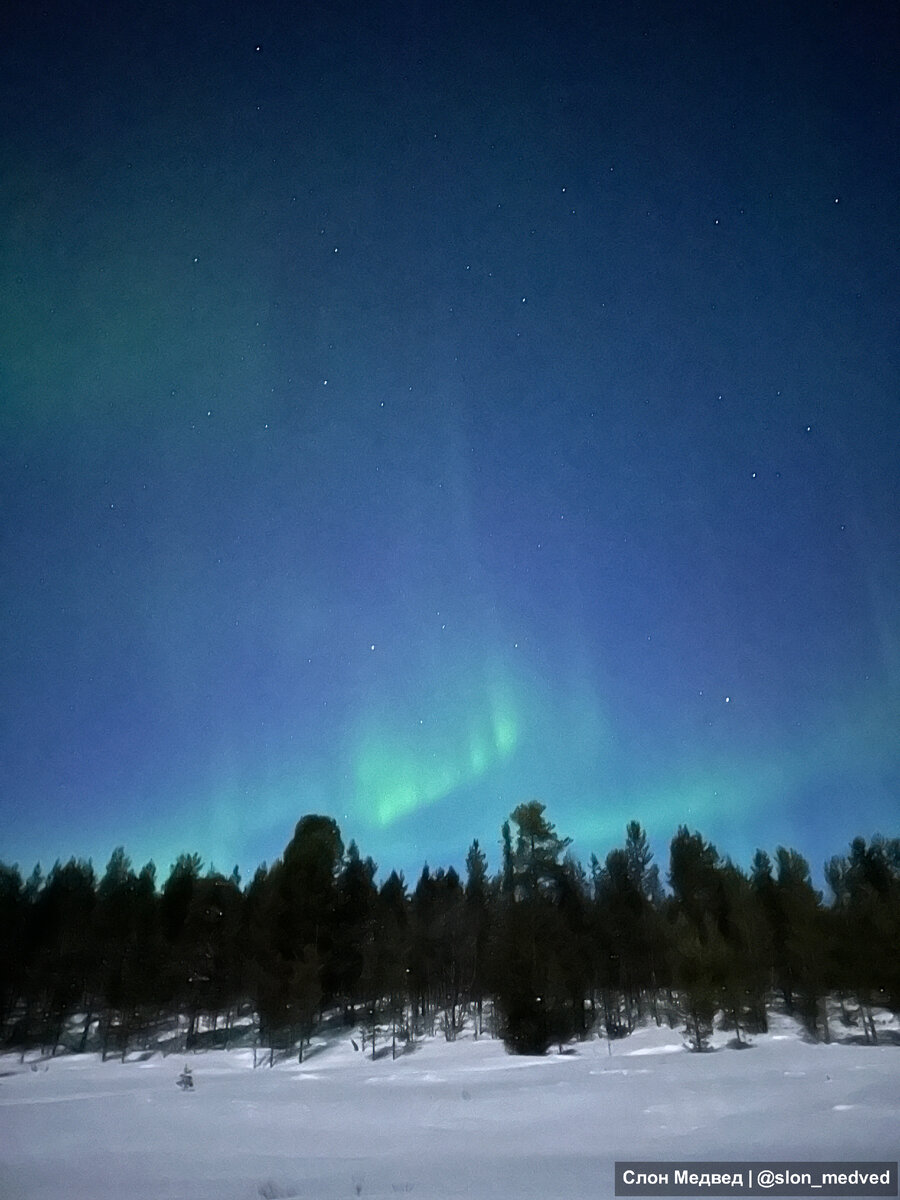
(549, 945)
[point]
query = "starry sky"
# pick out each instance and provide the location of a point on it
(408, 410)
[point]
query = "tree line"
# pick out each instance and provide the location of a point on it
(539, 953)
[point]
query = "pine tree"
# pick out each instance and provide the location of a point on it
(125, 967)
(798, 931)
(185, 973)
(747, 953)
(694, 877)
(14, 913)
(507, 879)
(388, 978)
(305, 995)
(307, 880)
(698, 948)
(355, 902)
(536, 860)
(623, 927)
(865, 925)
(209, 950)
(528, 974)
(477, 928)
(65, 967)
(700, 968)
(269, 972)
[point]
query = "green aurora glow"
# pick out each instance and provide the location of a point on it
(400, 766)
(301, 358)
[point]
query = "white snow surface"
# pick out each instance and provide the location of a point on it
(445, 1120)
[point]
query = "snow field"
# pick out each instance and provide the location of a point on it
(445, 1120)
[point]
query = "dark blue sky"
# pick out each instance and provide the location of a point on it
(410, 410)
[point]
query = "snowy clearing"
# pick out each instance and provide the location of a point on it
(440, 1121)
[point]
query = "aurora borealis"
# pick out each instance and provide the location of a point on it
(410, 410)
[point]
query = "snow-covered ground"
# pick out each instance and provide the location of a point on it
(442, 1121)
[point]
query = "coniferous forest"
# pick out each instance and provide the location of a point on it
(543, 952)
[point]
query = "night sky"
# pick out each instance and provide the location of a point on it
(412, 409)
